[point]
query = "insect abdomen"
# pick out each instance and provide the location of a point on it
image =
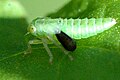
(84, 28)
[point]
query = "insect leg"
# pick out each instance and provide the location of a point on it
(29, 50)
(47, 49)
(65, 52)
(36, 41)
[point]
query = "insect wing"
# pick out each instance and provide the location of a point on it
(67, 42)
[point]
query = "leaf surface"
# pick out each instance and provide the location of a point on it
(96, 58)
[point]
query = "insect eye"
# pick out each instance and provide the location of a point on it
(31, 29)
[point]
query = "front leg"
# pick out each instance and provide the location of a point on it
(42, 41)
(35, 41)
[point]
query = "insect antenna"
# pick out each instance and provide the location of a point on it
(27, 33)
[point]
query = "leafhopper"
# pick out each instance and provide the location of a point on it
(66, 31)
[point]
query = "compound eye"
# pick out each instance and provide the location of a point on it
(31, 29)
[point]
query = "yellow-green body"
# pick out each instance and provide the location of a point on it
(75, 28)
(46, 28)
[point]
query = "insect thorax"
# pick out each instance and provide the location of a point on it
(47, 25)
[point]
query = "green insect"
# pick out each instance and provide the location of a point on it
(66, 30)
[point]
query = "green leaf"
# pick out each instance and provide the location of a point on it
(96, 58)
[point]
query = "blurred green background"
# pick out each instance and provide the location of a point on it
(96, 57)
(42, 7)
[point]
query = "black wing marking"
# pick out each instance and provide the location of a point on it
(67, 42)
